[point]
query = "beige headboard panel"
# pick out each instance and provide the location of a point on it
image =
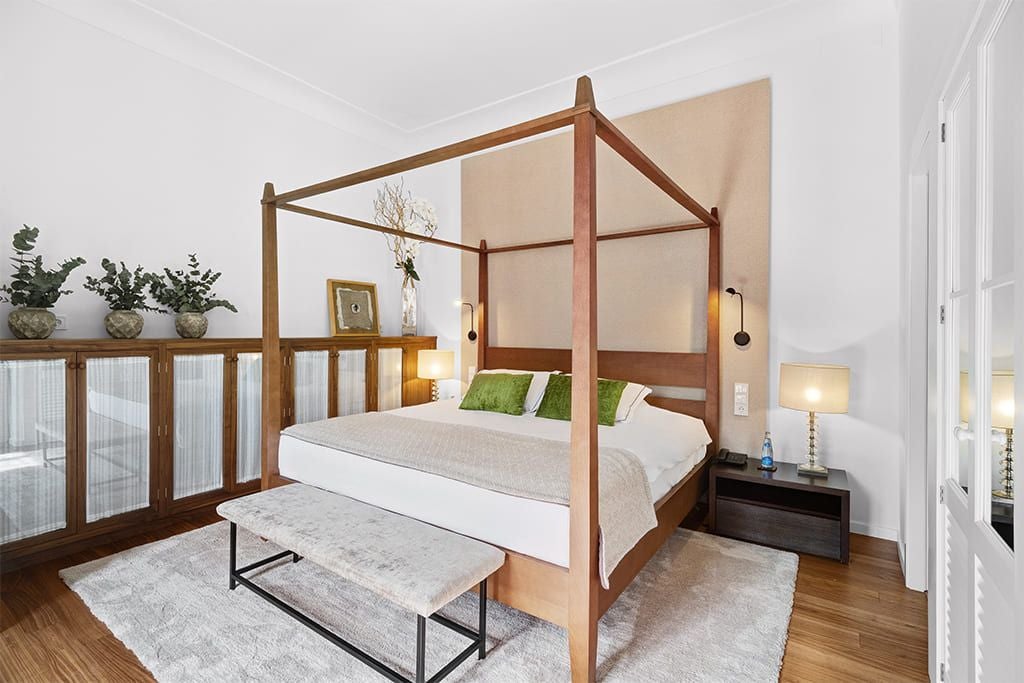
(651, 290)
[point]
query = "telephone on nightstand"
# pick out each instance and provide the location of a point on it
(727, 457)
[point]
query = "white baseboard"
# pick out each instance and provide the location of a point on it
(872, 530)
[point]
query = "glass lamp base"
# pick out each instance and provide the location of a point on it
(812, 470)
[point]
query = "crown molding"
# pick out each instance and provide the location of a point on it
(140, 25)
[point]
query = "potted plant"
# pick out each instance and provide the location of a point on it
(34, 289)
(125, 292)
(189, 293)
(396, 208)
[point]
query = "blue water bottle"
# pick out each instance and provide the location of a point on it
(767, 454)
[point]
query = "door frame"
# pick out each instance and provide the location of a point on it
(1006, 565)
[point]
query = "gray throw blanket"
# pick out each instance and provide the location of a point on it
(518, 465)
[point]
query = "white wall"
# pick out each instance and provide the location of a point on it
(834, 277)
(114, 150)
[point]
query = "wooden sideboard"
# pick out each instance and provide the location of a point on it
(101, 439)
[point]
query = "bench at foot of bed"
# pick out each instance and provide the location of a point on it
(410, 563)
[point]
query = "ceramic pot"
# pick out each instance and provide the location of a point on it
(123, 324)
(190, 325)
(408, 307)
(32, 323)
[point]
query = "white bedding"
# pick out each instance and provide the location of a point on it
(668, 445)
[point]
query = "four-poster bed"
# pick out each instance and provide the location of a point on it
(573, 598)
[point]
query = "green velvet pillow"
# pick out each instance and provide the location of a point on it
(557, 401)
(497, 392)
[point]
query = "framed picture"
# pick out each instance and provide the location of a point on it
(353, 308)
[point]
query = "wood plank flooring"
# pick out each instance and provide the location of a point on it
(850, 623)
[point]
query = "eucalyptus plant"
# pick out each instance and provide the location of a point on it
(123, 289)
(32, 285)
(188, 290)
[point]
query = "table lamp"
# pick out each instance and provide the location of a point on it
(434, 364)
(814, 389)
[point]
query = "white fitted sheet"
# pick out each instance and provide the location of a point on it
(669, 448)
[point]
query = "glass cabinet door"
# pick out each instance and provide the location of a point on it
(389, 379)
(34, 447)
(351, 381)
(248, 438)
(198, 429)
(118, 414)
(310, 385)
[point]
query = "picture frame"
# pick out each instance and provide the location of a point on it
(352, 307)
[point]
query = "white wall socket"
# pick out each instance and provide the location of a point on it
(62, 321)
(741, 399)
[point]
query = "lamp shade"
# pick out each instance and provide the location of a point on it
(1002, 400)
(818, 388)
(435, 364)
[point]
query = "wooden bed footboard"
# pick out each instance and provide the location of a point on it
(542, 589)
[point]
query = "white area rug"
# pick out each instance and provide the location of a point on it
(704, 609)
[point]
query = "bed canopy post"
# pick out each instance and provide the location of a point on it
(271, 386)
(711, 381)
(481, 309)
(584, 583)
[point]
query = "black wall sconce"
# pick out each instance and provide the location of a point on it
(741, 338)
(471, 335)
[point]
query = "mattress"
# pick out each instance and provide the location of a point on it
(669, 446)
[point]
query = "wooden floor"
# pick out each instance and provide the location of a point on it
(850, 623)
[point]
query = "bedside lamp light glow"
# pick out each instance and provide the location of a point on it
(1002, 413)
(434, 364)
(814, 389)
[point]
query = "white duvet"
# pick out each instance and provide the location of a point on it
(668, 445)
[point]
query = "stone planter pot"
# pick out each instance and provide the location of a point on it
(190, 325)
(123, 324)
(32, 323)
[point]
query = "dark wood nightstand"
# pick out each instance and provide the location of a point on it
(782, 509)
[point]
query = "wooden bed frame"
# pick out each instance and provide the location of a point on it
(570, 597)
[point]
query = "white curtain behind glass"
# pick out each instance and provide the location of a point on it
(389, 379)
(116, 436)
(198, 424)
(351, 381)
(33, 465)
(250, 368)
(310, 386)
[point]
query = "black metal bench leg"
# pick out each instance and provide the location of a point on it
(483, 620)
(231, 564)
(421, 649)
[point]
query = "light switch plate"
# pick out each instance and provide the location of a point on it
(741, 399)
(62, 321)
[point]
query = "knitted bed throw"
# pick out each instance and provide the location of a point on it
(513, 464)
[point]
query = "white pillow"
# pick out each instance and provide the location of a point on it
(537, 386)
(633, 395)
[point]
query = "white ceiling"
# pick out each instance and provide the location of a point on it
(416, 63)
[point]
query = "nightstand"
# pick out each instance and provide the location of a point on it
(782, 509)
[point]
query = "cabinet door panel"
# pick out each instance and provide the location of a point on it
(198, 430)
(117, 435)
(389, 378)
(310, 385)
(34, 447)
(248, 405)
(351, 381)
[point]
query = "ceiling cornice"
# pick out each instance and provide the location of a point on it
(623, 86)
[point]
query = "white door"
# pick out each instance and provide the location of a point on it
(981, 214)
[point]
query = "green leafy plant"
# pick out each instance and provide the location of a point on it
(122, 289)
(188, 290)
(32, 285)
(408, 266)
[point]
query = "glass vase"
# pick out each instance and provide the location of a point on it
(408, 307)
